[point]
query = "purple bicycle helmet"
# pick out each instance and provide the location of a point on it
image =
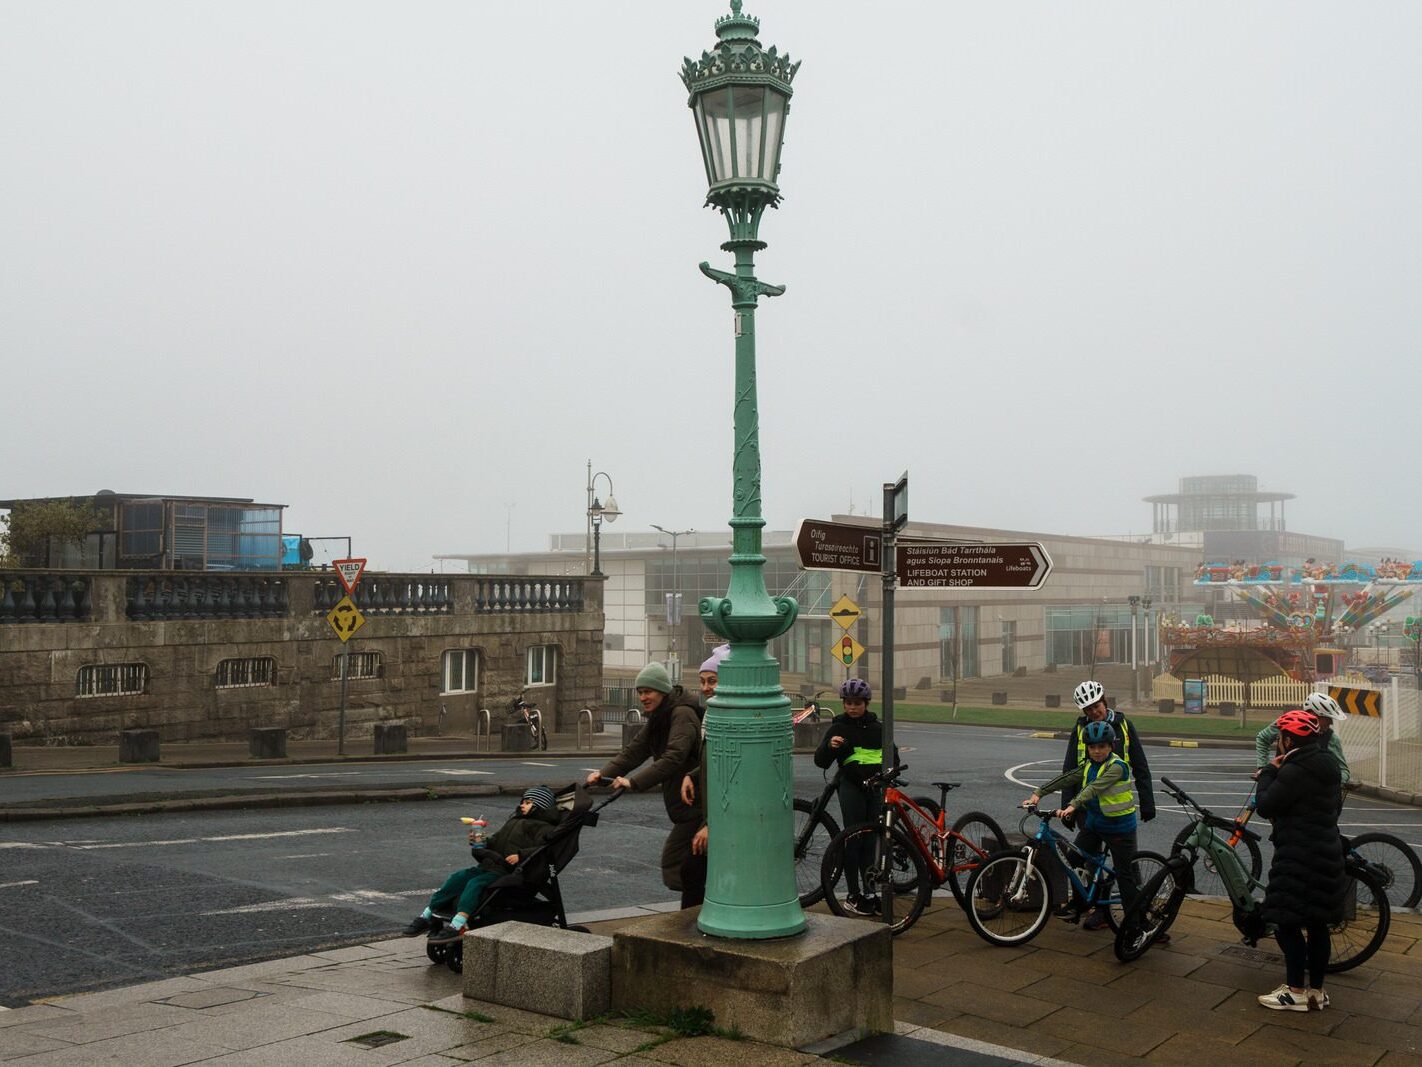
(855, 689)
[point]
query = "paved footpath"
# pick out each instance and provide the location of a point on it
(1062, 999)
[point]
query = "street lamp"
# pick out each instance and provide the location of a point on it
(739, 98)
(1135, 602)
(598, 513)
(673, 602)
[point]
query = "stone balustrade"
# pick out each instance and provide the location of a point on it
(41, 596)
(161, 596)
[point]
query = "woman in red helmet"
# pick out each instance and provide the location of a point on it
(1298, 793)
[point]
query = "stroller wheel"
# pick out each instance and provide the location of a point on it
(454, 957)
(436, 953)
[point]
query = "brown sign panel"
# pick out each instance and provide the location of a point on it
(838, 546)
(1015, 565)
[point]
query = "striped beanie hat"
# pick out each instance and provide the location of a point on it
(541, 796)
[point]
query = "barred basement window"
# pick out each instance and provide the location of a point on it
(239, 673)
(362, 665)
(111, 679)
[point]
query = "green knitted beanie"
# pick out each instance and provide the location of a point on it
(653, 676)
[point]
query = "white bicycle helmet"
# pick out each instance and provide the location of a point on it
(1088, 693)
(1324, 706)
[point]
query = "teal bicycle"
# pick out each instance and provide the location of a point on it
(1367, 913)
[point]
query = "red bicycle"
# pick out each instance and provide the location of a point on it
(906, 855)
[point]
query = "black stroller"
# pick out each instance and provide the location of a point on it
(530, 892)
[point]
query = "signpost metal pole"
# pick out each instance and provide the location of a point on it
(895, 515)
(341, 718)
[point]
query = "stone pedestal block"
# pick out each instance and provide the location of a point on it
(1229, 707)
(266, 742)
(835, 977)
(1054, 700)
(807, 735)
(516, 737)
(1166, 706)
(391, 738)
(999, 697)
(539, 968)
(138, 746)
(7, 757)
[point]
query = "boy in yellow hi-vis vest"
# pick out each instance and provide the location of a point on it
(1106, 795)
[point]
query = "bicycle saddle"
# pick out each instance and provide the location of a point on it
(947, 786)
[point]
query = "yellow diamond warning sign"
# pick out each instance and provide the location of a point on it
(845, 612)
(345, 618)
(847, 650)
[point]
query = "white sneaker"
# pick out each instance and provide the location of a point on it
(1284, 999)
(1317, 1000)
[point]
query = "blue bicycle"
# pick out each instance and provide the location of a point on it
(1010, 897)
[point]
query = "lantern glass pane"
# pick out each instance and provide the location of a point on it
(774, 131)
(699, 113)
(716, 108)
(748, 115)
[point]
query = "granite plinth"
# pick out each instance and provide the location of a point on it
(835, 977)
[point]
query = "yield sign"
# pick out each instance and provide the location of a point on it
(349, 572)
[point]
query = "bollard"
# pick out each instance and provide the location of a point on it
(266, 742)
(1229, 707)
(999, 696)
(7, 753)
(1054, 700)
(391, 738)
(1165, 705)
(138, 746)
(516, 737)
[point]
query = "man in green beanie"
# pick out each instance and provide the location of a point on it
(671, 739)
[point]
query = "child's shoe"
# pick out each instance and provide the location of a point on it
(1095, 921)
(1317, 1000)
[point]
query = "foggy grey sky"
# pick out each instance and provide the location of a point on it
(399, 266)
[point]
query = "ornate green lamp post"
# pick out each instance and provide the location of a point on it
(740, 95)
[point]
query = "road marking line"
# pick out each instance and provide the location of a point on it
(22, 844)
(530, 763)
(12, 885)
(324, 774)
(306, 856)
(462, 773)
(358, 896)
(224, 837)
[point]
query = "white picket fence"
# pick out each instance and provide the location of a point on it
(1387, 750)
(1269, 693)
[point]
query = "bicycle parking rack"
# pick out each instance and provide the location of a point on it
(483, 731)
(586, 715)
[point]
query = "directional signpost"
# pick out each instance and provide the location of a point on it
(345, 618)
(1005, 565)
(838, 546)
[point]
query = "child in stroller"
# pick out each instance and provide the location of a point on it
(516, 873)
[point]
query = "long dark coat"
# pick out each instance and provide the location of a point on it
(1307, 883)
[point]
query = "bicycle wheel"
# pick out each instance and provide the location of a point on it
(1366, 918)
(1208, 882)
(863, 847)
(1008, 904)
(1153, 912)
(1146, 865)
(811, 839)
(978, 837)
(1395, 865)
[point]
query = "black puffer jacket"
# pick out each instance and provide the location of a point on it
(1306, 879)
(864, 732)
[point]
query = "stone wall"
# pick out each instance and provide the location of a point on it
(40, 662)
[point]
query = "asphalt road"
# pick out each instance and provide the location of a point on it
(87, 903)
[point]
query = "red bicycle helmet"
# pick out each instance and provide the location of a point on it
(1298, 723)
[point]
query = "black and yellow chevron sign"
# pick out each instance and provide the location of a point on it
(1358, 701)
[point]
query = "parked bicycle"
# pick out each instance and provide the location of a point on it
(1012, 895)
(1367, 912)
(815, 828)
(908, 853)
